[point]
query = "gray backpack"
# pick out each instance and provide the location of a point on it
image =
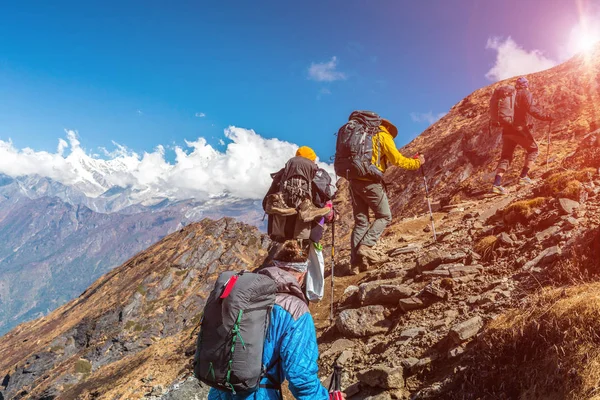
(229, 349)
(502, 106)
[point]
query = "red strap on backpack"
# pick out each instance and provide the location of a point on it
(229, 286)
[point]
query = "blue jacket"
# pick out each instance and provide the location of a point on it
(290, 350)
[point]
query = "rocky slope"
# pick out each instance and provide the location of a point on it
(501, 306)
(130, 333)
(53, 246)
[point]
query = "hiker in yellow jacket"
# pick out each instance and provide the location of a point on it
(367, 194)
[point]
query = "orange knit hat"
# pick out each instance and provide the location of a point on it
(306, 152)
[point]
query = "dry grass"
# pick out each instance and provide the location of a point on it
(521, 211)
(549, 349)
(485, 246)
(568, 183)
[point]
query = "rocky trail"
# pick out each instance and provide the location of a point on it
(402, 328)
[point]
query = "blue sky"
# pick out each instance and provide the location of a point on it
(144, 73)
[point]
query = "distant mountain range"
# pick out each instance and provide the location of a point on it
(56, 239)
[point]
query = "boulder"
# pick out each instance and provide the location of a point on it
(567, 206)
(465, 330)
(382, 292)
(362, 322)
(383, 377)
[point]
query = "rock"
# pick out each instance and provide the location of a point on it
(430, 260)
(485, 215)
(411, 303)
(427, 229)
(411, 333)
(383, 377)
(458, 271)
(364, 321)
(455, 352)
(546, 233)
(446, 267)
(505, 239)
(455, 257)
(344, 357)
(409, 363)
(567, 206)
(545, 257)
(380, 396)
(404, 250)
(378, 292)
(442, 273)
(352, 389)
(435, 291)
(571, 223)
(188, 389)
(465, 330)
(337, 347)
(350, 295)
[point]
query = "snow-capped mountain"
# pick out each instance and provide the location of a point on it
(56, 239)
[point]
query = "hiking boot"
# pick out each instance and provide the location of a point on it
(276, 206)
(499, 190)
(308, 211)
(368, 254)
(525, 181)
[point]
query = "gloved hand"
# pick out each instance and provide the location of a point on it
(420, 157)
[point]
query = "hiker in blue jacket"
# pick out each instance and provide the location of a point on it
(290, 350)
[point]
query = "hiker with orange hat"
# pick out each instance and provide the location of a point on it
(363, 163)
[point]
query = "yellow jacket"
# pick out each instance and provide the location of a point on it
(389, 153)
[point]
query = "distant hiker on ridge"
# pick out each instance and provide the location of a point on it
(261, 360)
(363, 163)
(511, 109)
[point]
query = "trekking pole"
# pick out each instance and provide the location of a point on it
(335, 386)
(332, 263)
(428, 201)
(548, 147)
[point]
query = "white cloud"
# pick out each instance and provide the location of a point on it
(199, 171)
(325, 72)
(427, 117)
(513, 60)
(200, 115)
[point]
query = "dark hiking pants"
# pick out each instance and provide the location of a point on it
(368, 195)
(511, 138)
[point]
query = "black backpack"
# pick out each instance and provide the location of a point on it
(229, 349)
(502, 106)
(354, 147)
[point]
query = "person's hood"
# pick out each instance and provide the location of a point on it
(286, 282)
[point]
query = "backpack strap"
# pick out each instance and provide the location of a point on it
(378, 150)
